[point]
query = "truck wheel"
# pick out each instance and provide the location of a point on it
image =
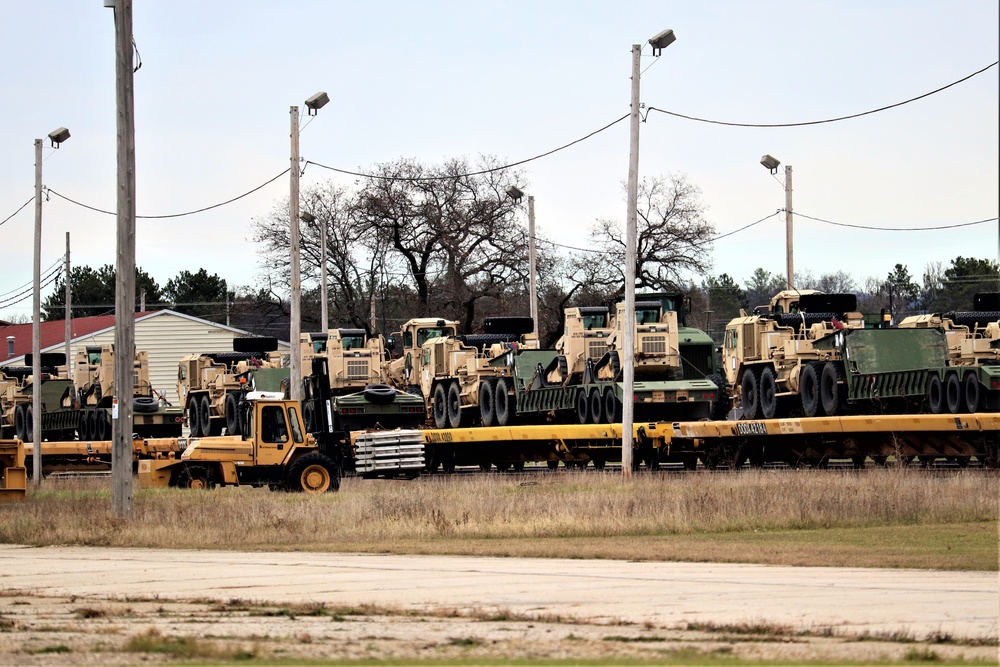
(101, 430)
(194, 421)
(832, 391)
(454, 405)
(29, 423)
(308, 415)
(195, 477)
(205, 415)
(612, 406)
(487, 403)
(935, 395)
(582, 408)
(750, 394)
(145, 404)
(504, 407)
(809, 388)
(596, 407)
(313, 473)
(973, 393)
(953, 393)
(721, 406)
(92, 425)
(440, 407)
(83, 430)
(233, 415)
(19, 423)
(768, 393)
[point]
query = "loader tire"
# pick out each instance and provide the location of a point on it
(313, 473)
(233, 416)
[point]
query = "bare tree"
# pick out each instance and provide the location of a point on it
(673, 236)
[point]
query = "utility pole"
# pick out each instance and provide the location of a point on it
(789, 264)
(324, 309)
(628, 327)
(532, 280)
(36, 329)
(68, 315)
(121, 411)
(295, 363)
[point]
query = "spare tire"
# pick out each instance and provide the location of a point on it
(145, 404)
(380, 394)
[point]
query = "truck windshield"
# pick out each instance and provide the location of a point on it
(425, 334)
(353, 342)
(595, 321)
(647, 315)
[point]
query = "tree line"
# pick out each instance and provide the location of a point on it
(445, 240)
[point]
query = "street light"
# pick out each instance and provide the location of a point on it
(515, 193)
(57, 137)
(771, 164)
(314, 103)
(659, 42)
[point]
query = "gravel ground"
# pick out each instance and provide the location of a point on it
(67, 631)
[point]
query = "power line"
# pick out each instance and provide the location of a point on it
(18, 210)
(474, 173)
(827, 120)
(894, 229)
(17, 298)
(54, 265)
(174, 215)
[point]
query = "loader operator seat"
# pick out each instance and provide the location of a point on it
(272, 424)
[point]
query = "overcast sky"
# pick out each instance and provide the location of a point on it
(431, 80)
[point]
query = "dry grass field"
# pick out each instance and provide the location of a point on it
(870, 518)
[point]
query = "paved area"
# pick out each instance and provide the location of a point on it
(962, 604)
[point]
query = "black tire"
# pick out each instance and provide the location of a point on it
(612, 406)
(19, 422)
(233, 415)
(454, 405)
(768, 391)
(92, 425)
(145, 404)
(973, 393)
(953, 393)
(440, 406)
(832, 390)
(193, 418)
(308, 416)
(721, 406)
(380, 394)
(205, 415)
(552, 465)
(313, 473)
(582, 408)
(487, 402)
(29, 423)
(935, 395)
(102, 429)
(83, 428)
(596, 407)
(195, 477)
(809, 389)
(750, 394)
(504, 411)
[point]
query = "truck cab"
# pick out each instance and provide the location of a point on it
(404, 371)
(355, 359)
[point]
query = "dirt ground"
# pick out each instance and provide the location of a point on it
(78, 631)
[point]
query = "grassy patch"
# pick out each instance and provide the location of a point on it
(878, 518)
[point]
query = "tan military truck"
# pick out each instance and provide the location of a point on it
(211, 385)
(94, 379)
(403, 372)
(972, 381)
(585, 339)
(771, 360)
(355, 359)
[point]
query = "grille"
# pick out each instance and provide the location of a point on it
(596, 349)
(697, 360)
(357, 370)
(654, 345)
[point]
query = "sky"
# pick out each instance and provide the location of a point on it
(436, 79)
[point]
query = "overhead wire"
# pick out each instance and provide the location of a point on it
(173, 215)
(472, 173)
(18, 210)
(893, 229)
(826, 120)
(54, 265)
(45, 281)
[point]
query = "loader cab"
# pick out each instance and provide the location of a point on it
(274, 427)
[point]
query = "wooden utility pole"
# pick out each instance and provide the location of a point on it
(789, 264)
(532, 280)
(68, 315)
(295, 363)
(36, 328)
(324, 308)
(121, 411)
(627, 351)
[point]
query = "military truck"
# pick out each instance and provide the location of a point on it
(405, 370)
(971, 382)
(17, 385)
(211, 385)
(355, 359)
(770, 356)
(93, 379)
